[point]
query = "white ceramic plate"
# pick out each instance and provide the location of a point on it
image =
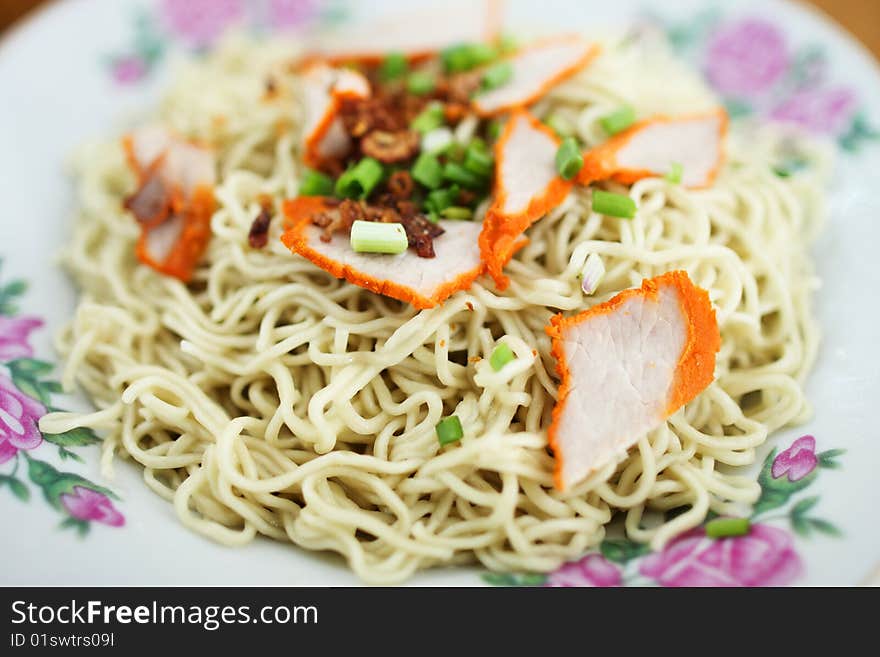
(73, 70)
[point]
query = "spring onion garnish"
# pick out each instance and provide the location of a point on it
(456, 173)
(591, 276)
(568, 158)
(358, 181)
(507, 44)
(449, 430)
(496, 76)
(457, 212)
(428, 171)
(393, 67)
(429, 119)
(721, 527)
(613, 205)
(378, 237)
(420, 83)
(676, 171)
(559, 125)
(618, 121)
(478, 159)
(493, 130)
(501, 356)
(316, 183)
(466, 56)
(440, 199)
(437, 140)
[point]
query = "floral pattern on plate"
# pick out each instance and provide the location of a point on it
(759, 72)
(25, 396)
(197, 24)
(764, 556)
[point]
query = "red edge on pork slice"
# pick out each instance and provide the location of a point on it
(502, 234)
(298, 217)
(180, 258)
(357, 88)
(554, 76)
(695, 367)
(601, 163)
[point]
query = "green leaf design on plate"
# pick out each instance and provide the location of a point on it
(16, 487)
(27, 375)
(81, 527)
(686, 34)
(827, 459)
(74, 437)
(737, 108)
(801, 508)
(512, 579)
(801, 526)
(148, 43)
(8, 294)
(65, 454)
(56, 483)
(622, 550)
(859, 132)
(825, 527)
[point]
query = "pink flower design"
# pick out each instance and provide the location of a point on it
(290, 13)
(199, 22)
(798, 461)
(763, 557)
(18, 420)
(87, 504)
(824, 111)
(14, 332)
(128, 70)
(746, 58)
(592, 570)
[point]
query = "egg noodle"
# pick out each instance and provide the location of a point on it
(269, 398)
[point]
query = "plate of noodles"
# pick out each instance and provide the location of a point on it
(462, 293)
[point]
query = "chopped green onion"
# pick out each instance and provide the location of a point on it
(430, 118)
(316, 183)
(721, 527)
(559, 125)
(481, 53)
(493, 130)
(496, 76)
(618, 121)
(507, 44)
(455, 152)
(454, 172)
(466, 56)
(478, 159)
(393, 67)
(437, 140)
(613, 205)
(568, 158)
(428, 171)
(420, 83)
(440, 199)
(501, 356)
(358, 181)
(676, 171)
(782, 173)
(378, 237)
(457, 212)
(449, 430)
